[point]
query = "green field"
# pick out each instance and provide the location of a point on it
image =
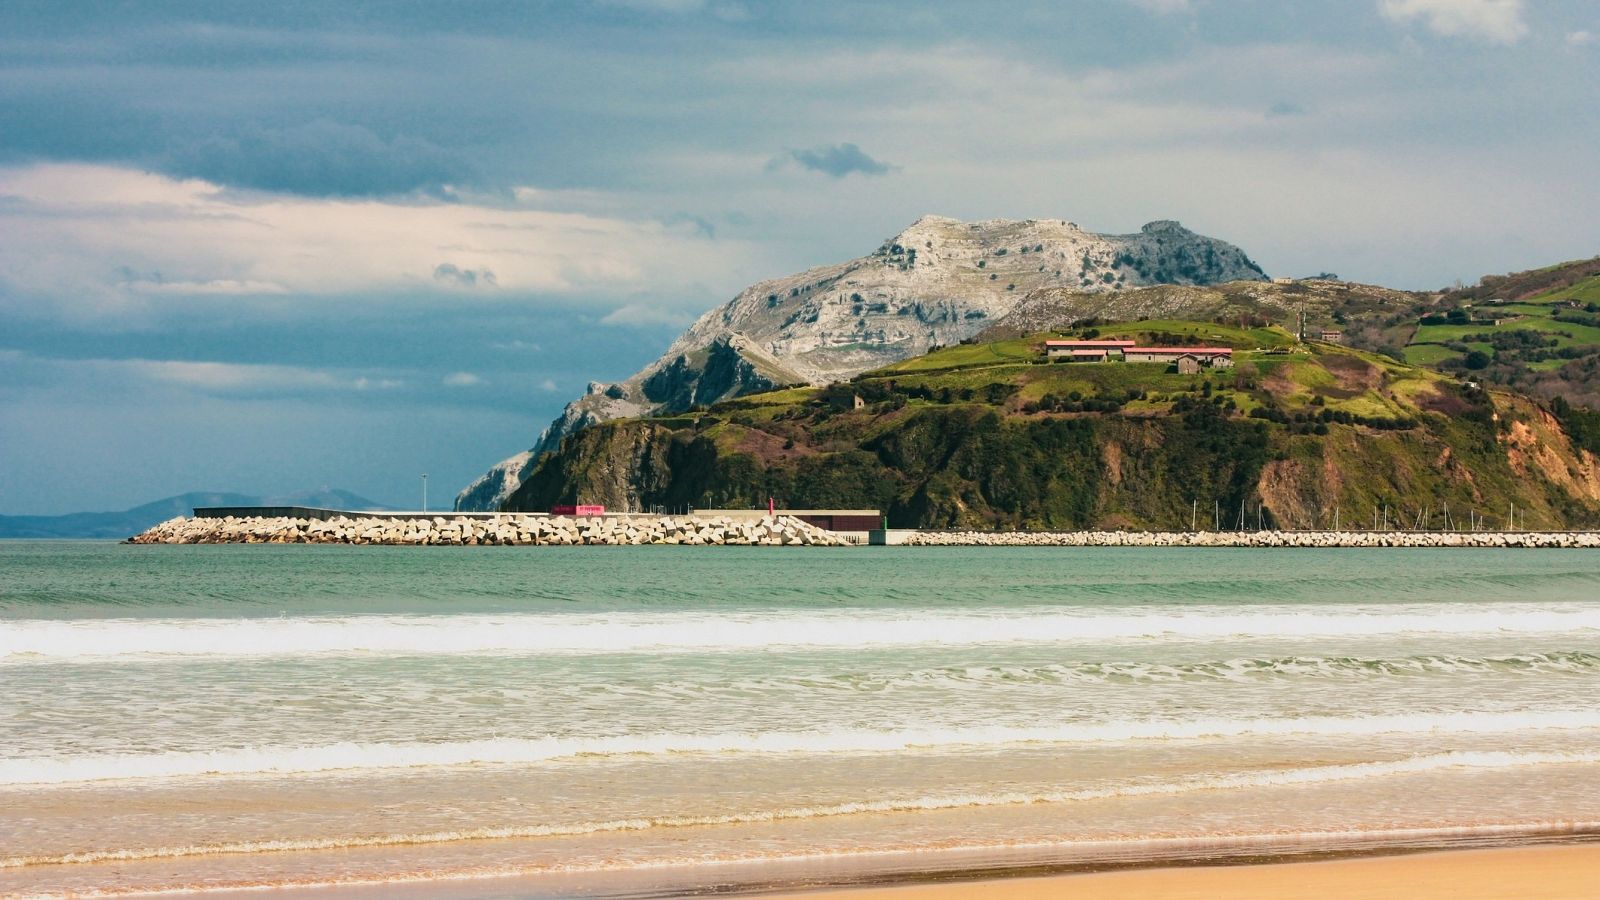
(965, 355)
(1429, 354)
(1548, 365)
(1536, 314)
(1567, 334)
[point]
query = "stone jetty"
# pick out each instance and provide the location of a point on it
(1544, 539)
(511, 529)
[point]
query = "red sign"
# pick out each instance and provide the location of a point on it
(578, 510)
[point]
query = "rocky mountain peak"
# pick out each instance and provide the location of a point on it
(1165, 226)
(938, 281)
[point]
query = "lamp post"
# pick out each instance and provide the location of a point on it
(424, 491)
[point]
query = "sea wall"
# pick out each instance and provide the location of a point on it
(1547, 539)
(507, 529)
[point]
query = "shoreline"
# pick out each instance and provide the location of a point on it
(1560, 869)
(1258, 872)
(519, 529)
(1564, 871)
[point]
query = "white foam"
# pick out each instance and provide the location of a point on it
(284, 760)
(1238, 670)
(99, 640)
(1237, 781)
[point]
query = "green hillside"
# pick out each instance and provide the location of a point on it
(1536, 331)
(993, 435)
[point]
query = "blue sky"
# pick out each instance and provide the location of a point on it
(265, 247)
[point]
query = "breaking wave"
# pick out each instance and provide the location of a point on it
(346, 756)
(102, 640)
(1241, 670)
(1274, 778)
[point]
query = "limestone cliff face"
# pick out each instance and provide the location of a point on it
(937, 282)
(614, 467)
(1324, 303)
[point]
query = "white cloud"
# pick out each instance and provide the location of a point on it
(146, 378)
(462, 379)
(637, 314)
(221, 286)
(548, 386)
(1499, 21)
(376, 384)
(517, 344)
(218, 377)
(101, 240)
(1580, 38)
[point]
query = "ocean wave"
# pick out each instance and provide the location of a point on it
(348, 756)
(1239, 670)
(1477, 760)
(101, 640)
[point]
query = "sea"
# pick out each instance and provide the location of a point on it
(657, 721)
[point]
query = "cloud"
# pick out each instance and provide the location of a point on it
(453, 274)
(1580, 38)
(645, 314)
(1499, 21)
(215, 287)
(322, 158)
(700, 224)
(99, 242)
(462, 379)
(1164, 7)
(548, 386)
(224, 378)
(518, 345)
(837, 160)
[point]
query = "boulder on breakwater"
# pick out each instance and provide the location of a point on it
(1544, 539)
(510, 528)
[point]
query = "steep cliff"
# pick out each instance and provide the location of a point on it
(937, 282)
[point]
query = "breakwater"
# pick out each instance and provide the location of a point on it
(510, 529)
(531, 530)
(1530, 539)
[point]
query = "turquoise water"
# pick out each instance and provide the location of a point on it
(650, 718)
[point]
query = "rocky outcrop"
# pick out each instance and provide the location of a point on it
(937, 282)
(491, 488)
(723, 370)
(516, 530)
(1324, 303)
(617, 468)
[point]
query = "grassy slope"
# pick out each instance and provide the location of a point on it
(992, 435)
(1535, 299)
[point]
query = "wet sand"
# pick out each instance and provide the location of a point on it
(1529, 873)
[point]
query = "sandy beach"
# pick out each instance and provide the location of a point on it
(1529, 873)
(334, 721)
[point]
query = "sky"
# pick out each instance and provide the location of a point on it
(265, 247)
